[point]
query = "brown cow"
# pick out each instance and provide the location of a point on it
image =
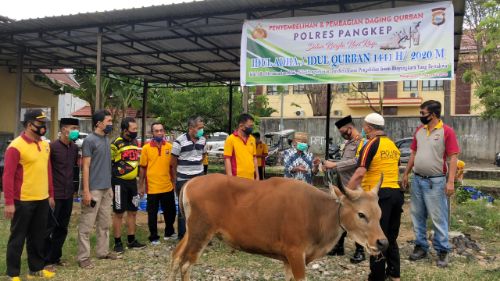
(280, 218)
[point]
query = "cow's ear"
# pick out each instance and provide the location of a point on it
(335, 191)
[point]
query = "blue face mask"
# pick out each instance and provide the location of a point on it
(363, 133)
(199, 133)
(108, 129)
(158, 139)
(302, 146)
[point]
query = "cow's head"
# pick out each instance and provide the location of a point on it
(359, 215)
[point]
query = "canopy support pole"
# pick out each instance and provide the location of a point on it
(245, 99)
(230, 117)
(98, 94)
(19, 91)
(447, 100)
(144, 112)
(328, 109)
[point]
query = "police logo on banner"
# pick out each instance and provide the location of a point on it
(438, 16)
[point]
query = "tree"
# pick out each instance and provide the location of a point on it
(317, 96)
(483, 20)
(356, 90)
(173, 107)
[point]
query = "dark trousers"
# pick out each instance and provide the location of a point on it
(167, 202)
(391, 203)
(359, 248)
(57, 230)
(28, 224)
(181, 221)
(205, 169)
(262, 172)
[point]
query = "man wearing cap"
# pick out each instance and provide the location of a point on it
(345, 169)
(299, 162)
(381, 156)
(433, 143)
(28, 191)
(63, 157)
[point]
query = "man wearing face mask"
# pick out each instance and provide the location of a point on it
(240, 152)
(381, 156)
(28, 192)
(97, 195)
(299, 162)
(63, 157)
(433, 143)
(187, 151)
(125, 158)
(155, 178)
(345, 169)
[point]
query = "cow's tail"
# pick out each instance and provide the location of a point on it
(183, 204)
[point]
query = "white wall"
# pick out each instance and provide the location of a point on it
(69, 104)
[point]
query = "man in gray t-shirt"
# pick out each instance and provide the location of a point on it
(97, 147)
(97, 195)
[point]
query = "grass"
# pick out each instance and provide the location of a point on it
(480, 183)
(219, 262)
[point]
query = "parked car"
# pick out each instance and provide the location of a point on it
(278, 142)
(404, 148)
(215, 143)
(79, 141)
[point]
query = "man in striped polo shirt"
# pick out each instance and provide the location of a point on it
(187, 152)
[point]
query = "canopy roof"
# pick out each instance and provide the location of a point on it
(179, 44)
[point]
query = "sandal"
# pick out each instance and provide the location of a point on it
(86, 264)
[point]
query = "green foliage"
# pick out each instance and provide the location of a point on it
(483, 18)
(174, 107)
(477, 213)
(461, 195)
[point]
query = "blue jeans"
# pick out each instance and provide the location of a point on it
(428, 198)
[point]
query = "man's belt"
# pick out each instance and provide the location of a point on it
(429, 177)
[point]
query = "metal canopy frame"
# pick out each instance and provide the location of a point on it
(194, 44)
(179, 44)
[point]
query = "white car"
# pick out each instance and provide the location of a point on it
(215, 143)
(79, 141)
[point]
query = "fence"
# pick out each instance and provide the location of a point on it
(479, 139)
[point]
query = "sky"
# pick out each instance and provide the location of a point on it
(18, 9)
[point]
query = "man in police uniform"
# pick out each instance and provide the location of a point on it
(125, 160)
(381, 156)
(345, 169)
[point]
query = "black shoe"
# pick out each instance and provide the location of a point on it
(418, 254)
(442, 260)
(359, 256)
(136, 245)
(119, 248)
(337, 251)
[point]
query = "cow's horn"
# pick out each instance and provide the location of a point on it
(353, 194)
(335, 191)
(379, 184)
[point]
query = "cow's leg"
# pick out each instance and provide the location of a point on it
(177, 256)
(297, 262)
(192, 251)
(288, 271)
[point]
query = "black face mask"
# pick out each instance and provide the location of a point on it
(132, 135)
(38, 130)
(248, 131)
(425, 120)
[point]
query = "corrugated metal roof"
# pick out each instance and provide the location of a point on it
(177, 43)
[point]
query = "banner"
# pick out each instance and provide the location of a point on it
(409, 43)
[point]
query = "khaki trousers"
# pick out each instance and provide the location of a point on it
(100, 215)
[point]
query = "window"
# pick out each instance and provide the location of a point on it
(299, 89)
(368, 86)
(432, 85)
(343, 88)
(275, 90)
(410, 85)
